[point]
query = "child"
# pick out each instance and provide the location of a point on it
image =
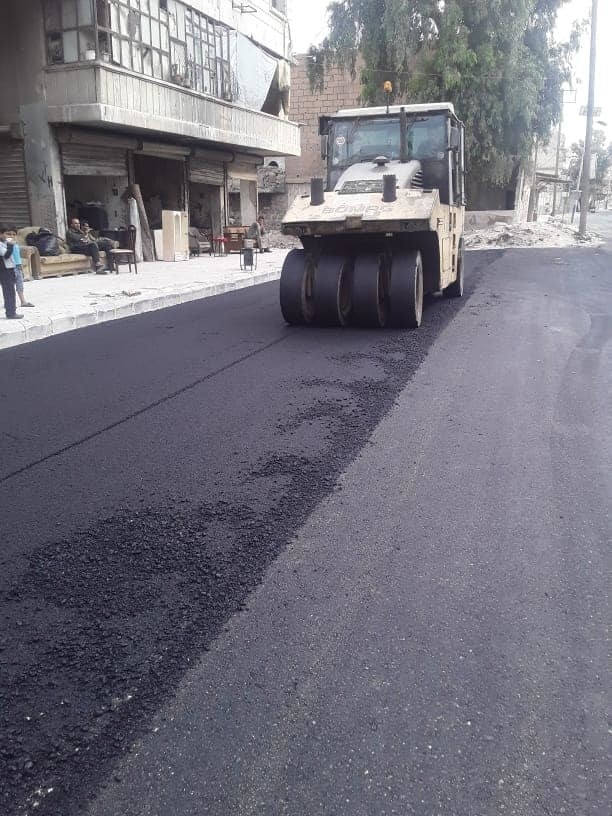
(7, 275)
(11, 235)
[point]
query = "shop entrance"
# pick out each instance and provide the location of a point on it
(97, 200)
(206, 208)
(95, 178)
(14, 201)
(162, 185)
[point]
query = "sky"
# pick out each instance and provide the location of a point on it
(309, 25)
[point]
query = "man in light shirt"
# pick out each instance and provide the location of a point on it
(7, 276)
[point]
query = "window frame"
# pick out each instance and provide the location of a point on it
(144, 36)
(86, 30)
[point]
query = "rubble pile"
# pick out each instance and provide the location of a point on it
(280, 241)
(532, 234)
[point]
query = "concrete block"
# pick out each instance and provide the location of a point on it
(38, 331)
(62, 323)
(12, 333)
(86, 319)
(173, 299)
(144, 305)
(125, 310)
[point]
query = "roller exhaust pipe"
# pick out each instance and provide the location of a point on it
(317, 195)
(389, 188)
(403, 136)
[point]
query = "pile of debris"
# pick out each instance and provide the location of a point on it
(532, 234)
(280, 241)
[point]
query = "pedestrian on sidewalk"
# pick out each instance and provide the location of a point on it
(7, 275)
(11, 234)
(81, 242)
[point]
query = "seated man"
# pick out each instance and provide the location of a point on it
(258, 233)
(81, 241)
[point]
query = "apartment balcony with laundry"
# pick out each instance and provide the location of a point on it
(167, 68)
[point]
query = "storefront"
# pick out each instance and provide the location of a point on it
(160, 170)
(207, 191)
(242, 189)
(95, 171)
(14, 198)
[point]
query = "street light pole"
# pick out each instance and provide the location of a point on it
(586, 167)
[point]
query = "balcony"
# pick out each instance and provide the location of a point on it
(102, 95)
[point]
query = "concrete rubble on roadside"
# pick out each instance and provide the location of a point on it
(528, 234)
(75, 301)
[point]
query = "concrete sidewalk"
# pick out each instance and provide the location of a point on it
(63, 304)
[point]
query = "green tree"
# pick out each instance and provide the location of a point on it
(603, 161)
(496, 60)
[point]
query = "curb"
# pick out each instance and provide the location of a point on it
(48, 326)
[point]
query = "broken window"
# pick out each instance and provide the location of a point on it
(164, 39)
(70, 30)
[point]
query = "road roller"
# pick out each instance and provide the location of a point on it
(385, 227)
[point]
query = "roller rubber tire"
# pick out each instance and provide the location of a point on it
(370, 291)
(406, 290)
(455, 290)
(296, 288)
(332, 291)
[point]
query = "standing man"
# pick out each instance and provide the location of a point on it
(7, 276)
(82, 243)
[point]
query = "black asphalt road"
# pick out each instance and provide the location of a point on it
(248, 569)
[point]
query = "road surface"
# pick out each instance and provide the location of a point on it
(248, 569)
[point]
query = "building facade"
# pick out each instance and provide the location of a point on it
(281, 180)
(183, 99)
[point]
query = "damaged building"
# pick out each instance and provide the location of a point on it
(184, 99)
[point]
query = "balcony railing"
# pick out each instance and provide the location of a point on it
(96, 93)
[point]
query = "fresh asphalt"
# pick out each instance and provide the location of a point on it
(248, 569)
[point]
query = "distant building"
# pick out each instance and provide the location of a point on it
(181, 98)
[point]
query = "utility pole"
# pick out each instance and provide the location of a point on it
(564, 91)
(554, 201)
(586, 167)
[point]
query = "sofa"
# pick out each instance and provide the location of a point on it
(50, 266)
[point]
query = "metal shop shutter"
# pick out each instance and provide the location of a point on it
(14, 199)
(89, 160)
(203, 171)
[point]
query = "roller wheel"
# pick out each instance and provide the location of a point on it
(332, 290)
(455, 290)
(296, 283)
(406, 290)
(370, 291)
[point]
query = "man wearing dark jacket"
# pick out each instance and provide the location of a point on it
(81, 242)
(7, 276)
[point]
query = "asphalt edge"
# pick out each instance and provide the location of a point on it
(64, 323)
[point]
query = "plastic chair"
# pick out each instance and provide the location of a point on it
(219, 245)
(126, 256)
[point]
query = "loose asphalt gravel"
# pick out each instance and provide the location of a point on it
(156, 469)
